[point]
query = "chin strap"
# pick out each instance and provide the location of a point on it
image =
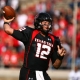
(44, 32)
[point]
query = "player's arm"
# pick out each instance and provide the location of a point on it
(58, 57)
(17, 34)
(57, 53)
(57, 63)
(7, 27)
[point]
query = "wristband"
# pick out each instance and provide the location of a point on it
(60, 57)
(6, 23)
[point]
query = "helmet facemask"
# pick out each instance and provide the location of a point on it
(42, 26)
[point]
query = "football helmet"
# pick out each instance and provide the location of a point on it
(42, 17)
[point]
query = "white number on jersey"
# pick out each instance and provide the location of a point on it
(42, 50)
(22, 28)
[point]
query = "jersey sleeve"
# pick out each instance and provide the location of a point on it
(54, 54)
(23, 34)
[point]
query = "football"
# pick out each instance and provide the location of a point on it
(8, 12)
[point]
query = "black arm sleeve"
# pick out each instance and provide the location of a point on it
(55, 55)
(19, 36)
(23, 35)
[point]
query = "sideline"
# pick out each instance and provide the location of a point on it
(14, 73)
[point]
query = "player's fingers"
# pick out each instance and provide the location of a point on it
(58, 46)
(11, 19)
(5, 20)
(59, 49)
(63, 52)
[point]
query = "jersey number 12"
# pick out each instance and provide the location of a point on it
(42, 50)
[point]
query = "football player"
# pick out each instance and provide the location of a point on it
(40, 47)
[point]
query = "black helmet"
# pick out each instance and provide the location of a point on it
(42, 17)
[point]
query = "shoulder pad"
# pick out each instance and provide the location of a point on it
(25, 28)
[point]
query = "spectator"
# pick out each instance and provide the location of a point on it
(14, 58)
(40, 7)
(2, 49)
(1, 22)
(69, 15)
(22, 19)
(15, 4)
(49, 7)
(78, 14)
(63, 22)
(71, 5)
(6, 58)
(2, 3)
(68, 51)
(30, 19)
(74, 74)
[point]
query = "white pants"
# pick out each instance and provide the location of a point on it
(39, 75)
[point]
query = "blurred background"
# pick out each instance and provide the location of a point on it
(66, 25)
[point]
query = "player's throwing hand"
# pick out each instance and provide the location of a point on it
(8, 21)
